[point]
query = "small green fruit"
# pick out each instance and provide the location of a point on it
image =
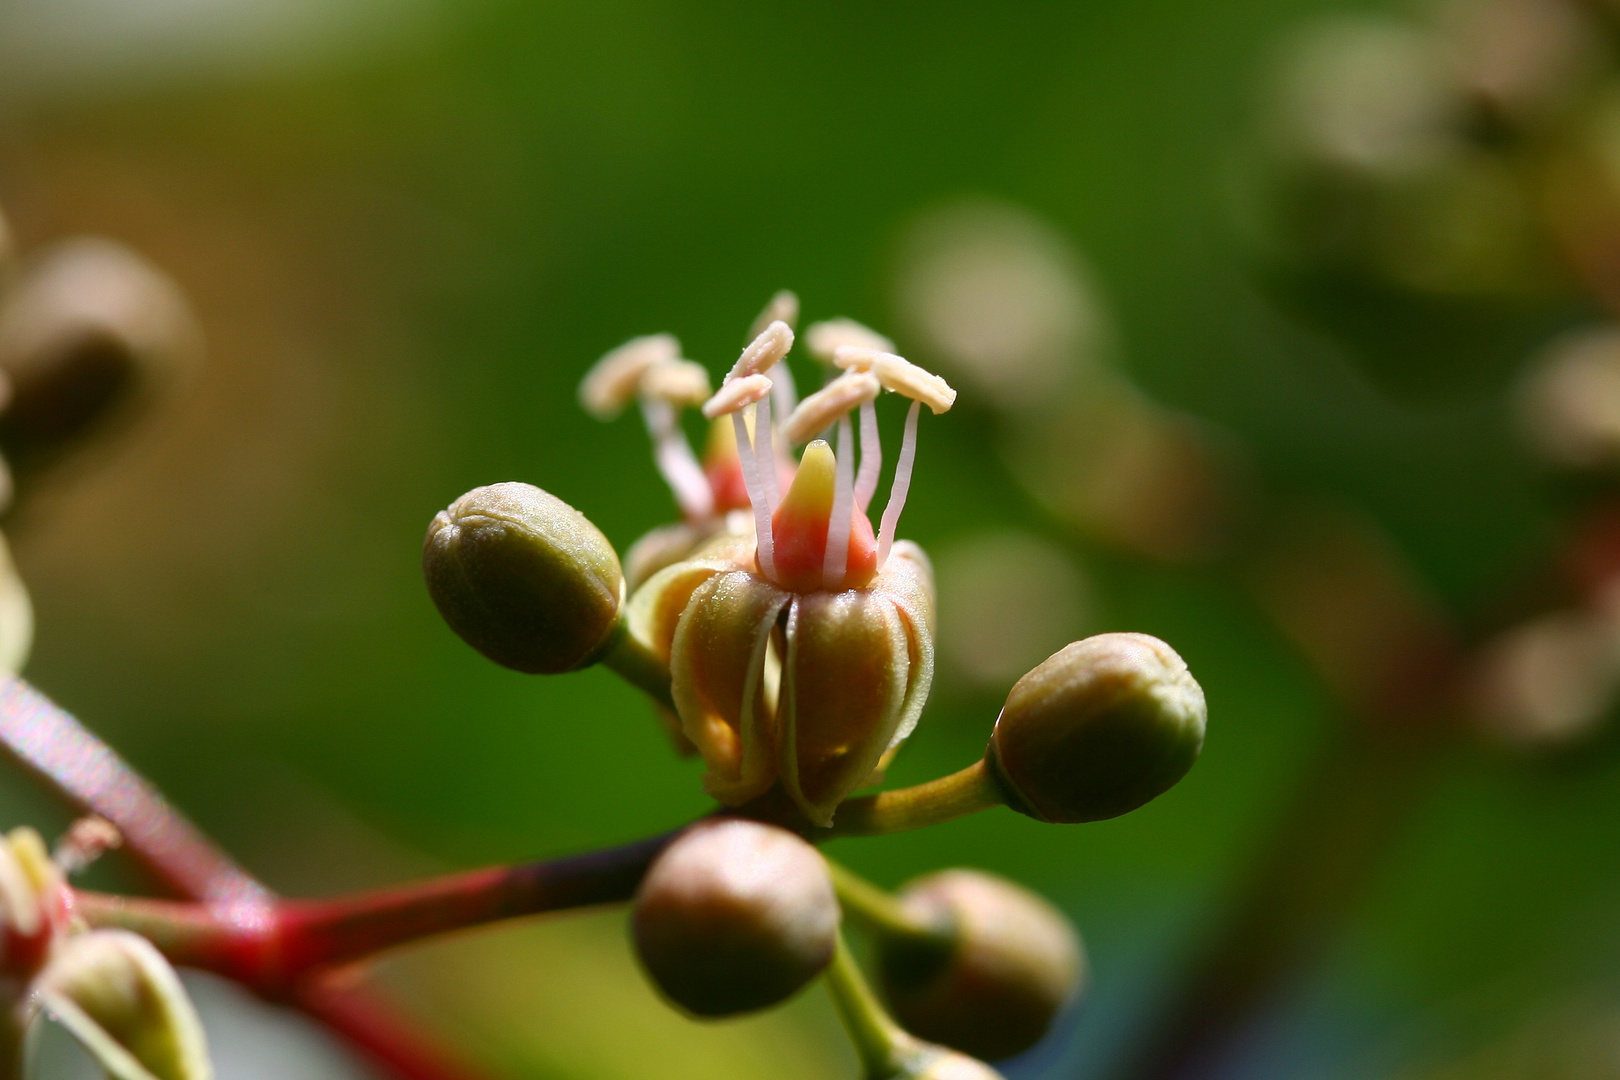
(1099, 729)
(524, 578)
(735, 916)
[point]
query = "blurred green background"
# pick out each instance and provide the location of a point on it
(409, 228)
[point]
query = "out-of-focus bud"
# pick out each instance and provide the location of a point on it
(523, 577)
(1570, 402)
(735, 916)
(119, 997)
(16, 615)
(89, 331)
(1100, 728)
(1548, 682)
(1012, 963)
(1521, 59)
(948, 1065)
(1009, 599)
(1001, 300)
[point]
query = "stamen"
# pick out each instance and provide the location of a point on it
(676, 462)
(782, 307)
(825, 406)
(784, 392)
(866, 481)
(901, 485)
(765, 350)
(855, 357)
(736, 394)
(679, 382)
(919, 384)
(825, 338)
(765, 436)
(756, 493)
(613, 381)
(836, 561)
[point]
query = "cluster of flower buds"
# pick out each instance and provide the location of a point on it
(791, 644)
(110, 989)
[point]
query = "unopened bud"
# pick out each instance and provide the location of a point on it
(735, 916)
(1011, 963)
(948, 1065)
(89, 328)
(1100, 728)
(523, 577)
(119, 997)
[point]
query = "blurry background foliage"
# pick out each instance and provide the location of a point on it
(409, 227)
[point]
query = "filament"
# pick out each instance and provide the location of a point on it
(901, 485)
(676, 462)
(756, 494)
(871, 457)
(765, 437)
(836, 561)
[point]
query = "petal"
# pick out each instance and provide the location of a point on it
(908, 580)
(843, 694)
(654, 609)
(718, 679)
(120, 998)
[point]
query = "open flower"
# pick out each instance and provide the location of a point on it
(800, 654)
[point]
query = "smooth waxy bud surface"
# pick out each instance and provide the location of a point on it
(734, 916)
(1008, 963)
(523, 577)
(947, 1065)
(1100, 728)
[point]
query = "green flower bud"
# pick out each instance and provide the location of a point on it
(735, 916)
(119, 997)
(89, 332)
(524, 578)
(1100, 728)
(1011, 963)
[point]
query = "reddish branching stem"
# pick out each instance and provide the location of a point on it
(86, 773)
(275, 948)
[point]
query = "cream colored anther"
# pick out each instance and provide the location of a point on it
(764, 351)
(900, 375)
(737, 394)
(847, 392)
(826, 338)
(783, 306)
(681, 383)
(614, 381)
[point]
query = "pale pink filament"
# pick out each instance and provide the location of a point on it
(901, 485)
(756, 494)
(836, 561)
(676, 461)
(871, 458)
(765, 451)
(784, 393)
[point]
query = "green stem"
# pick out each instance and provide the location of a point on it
(637, 665)
(964, 792)
(879, 1042)
(880, 912)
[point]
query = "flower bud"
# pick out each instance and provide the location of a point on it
(523, 577)
(1100, 728)
(90, 329)
(734, 916)
(119, 997)
(1011, 963)
(947, 1065)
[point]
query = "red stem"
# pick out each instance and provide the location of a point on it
(83, 770)
(277, 948)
